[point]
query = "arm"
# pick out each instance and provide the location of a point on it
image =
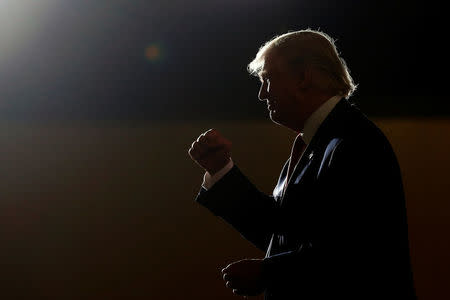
(237, 201)
(233, 197)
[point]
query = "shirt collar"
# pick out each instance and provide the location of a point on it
(317, 117)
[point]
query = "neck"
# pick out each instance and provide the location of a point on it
(314, 100)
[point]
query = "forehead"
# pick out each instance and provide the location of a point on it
(266, 70)
(272, 64)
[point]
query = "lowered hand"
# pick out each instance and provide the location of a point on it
(245, 277)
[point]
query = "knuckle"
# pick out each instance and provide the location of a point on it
(197, 146)
(212, 133)
(194, 150)
(207, 132)
(193, 155)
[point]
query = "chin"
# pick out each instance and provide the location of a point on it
(274, 118)
(279, 121)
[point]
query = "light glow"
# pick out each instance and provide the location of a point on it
(19, 20)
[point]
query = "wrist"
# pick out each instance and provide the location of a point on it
(210, 179)
(216, 169)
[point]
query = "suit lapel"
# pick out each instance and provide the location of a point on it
(300, 168)
(278, 190)
(313, 149)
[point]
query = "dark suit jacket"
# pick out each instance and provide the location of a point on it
(340, 229)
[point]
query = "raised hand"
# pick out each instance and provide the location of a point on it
(211, 151)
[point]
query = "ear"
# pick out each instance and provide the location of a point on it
(305, 78)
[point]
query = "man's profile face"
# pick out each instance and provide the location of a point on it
(279, 90)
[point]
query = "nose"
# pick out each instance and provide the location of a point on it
(263, 94)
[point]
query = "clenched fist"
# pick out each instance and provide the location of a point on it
(211, 151)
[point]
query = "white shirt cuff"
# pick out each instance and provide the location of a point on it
(209, 180)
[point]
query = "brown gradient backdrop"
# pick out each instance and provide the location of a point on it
(93, 211)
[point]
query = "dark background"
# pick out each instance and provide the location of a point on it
(86, 60)
(100, 101)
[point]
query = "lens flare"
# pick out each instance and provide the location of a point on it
(153, 53)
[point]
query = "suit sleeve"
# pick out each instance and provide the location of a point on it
(238, 202)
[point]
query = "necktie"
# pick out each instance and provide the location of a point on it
(297, 150)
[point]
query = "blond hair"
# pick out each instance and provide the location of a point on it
(309, 48)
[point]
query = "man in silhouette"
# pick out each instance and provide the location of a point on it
(335, 225)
